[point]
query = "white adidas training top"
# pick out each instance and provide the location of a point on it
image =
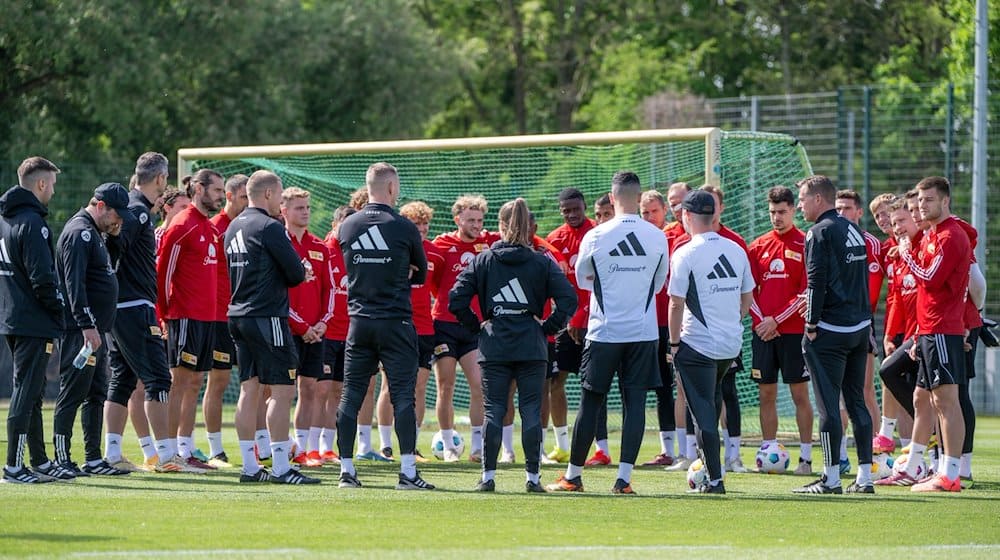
(711, 273)
(623, 263)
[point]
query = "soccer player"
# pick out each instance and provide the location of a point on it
(569, 344)
(91, 289)
(517, 282)
(173, 202)
(711, 288)
(687, 443)
(310, 312)
(623, 262)
(263, 265)
(384, 255)
(32, 317)
(603, 209)
(941, 271)
(223, 351)
(453, 344)
(837, 328)
(186, 282)
(778, 265)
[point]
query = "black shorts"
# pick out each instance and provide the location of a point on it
(224, 351)
(941, 360)
(311, 360)
(569, 354)
(265, 349)
(784, 353)
(425, 350)
(635, 363)
(970, 356)
(136, 351)
(666, 368)
(190, 344)
(452, 340)
(333, 359)
(552, 369)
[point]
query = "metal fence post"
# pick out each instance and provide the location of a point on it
(867, 147)
(840, 135)
(949, 132)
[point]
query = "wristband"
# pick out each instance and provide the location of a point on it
(675, 344)
(810, 330)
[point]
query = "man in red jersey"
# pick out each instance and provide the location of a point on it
(673, 230)
(186, 280)
(223, 351)
(569, 344)
(777, 263)
(603, 209)
(941, 271)
(453, 343)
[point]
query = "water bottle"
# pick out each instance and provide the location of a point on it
(82, 356)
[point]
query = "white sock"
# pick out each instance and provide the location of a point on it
(562, 437)
(214, 443)
(326, 437)
(347, 466)
(888, 427)
(680, 435)
(806, 451)
(250, 465)
(602, 444)
(163, 450)
(113, 447)
(385, 436)
(301, 441)
(942, 462)
(933, 459)
(832, 475)
(965, 469)
(279, 457)
(733, 448)
(667, 443)
(263, 440)
(573, 471)
(843, 448)
(532, 477)
(544, 431)
(408, 465)
(314, 432)
(766, 443)
(507, 439)
(489, 475)
(915, 459)
(449, 439)
(692, 447)
(477, 439)
(185, 446)
(725, 443)
(864, 477)
(416, 437)
(905, 441)
(952, 467)
(148, 448)
(364, 439)
(625, 471)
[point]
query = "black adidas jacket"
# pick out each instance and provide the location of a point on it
(262, 265)
(30, 301)
(512, 283)
(836, 273)
(85, 274)
(379, 246)
(133, 251)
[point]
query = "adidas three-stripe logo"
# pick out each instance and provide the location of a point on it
(4, 256)
(722, 269)
(237, 245)
(629, 247)
(371, 239)
(854, 238)
(511, 293)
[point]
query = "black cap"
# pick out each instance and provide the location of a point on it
(699, 202)
(113, 195)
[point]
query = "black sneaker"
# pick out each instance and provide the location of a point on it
(260, 476)
(719, 488)
(856, 488)
(103, 468)
(818, 487)
(348, 480)
(293, 477)
(54, 472)
(415, 483)
(534, 488)
(387, 452)
(486, 486)
(75, 469)
(23, 476)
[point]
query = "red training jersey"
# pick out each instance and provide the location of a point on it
(901, 299)
(223, 290)
(566, 240)
(420, 294)
(311, 301)
(941, 268)
(456, 255)
(186, 271)
(550, 251)
(972, 317)
(337, 326)
(778, 265)
(873, 250)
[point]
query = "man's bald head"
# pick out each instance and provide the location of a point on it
(380, 179)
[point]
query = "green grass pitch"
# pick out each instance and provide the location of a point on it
(213, 516)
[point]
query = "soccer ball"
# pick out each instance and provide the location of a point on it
(882, 466)
(437, 444)
(697, 474)
(773, 459)
(900, 465)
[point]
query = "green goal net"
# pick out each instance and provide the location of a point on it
(744, 164)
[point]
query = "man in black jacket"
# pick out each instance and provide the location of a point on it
(91, 287)
(31, 315)
(262, 266)
(384, 255)
(835, 345)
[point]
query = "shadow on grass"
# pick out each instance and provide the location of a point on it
(56, 537)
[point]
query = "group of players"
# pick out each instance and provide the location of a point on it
(233, 276)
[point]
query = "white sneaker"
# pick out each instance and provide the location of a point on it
(735, 465)
(681, 464)
(507, 458)
(804, 468)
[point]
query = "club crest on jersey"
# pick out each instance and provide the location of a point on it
(794, 255)
(85, 235)
(873, 267)
(45, 233)
(480, 247)
(316, 255)
(143, 218)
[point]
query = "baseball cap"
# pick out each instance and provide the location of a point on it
(699, 202)
(113, 195)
